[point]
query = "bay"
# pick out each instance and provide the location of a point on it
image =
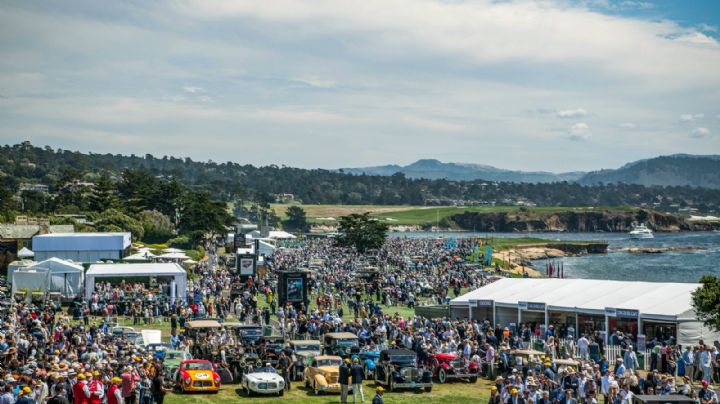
(702, 256)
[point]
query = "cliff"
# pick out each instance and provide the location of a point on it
(571, 221)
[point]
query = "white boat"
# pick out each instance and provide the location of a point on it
(640, 231)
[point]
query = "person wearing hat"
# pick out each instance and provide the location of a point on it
(494, 396)
(114, 395)
(515, 397)
(378, 399)
(95, 388)
(7, 396)
(357, 378)
(25, 396)
(79, 395)
(707, 395)
(344, 380)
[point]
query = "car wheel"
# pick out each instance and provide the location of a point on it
(281, 392)
(250, 392)
(473, 379)
(307, 384)
(428, 389)
(442, 376)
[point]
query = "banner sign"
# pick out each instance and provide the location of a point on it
(247, 266)
(482, 303)
(532, 306)
(622, 313)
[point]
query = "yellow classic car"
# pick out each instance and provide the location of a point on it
(322, 374)
(197, 375)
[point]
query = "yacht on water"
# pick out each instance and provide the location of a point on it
(640, 231)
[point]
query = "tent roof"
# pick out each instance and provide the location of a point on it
(141, 256)
(172, 250)
(58, 265)
(25, 253)
(146, 269)
(279, 234)
(649, 298)
(174, 256)
(81, 242)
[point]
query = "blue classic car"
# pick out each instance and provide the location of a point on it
(368, 357)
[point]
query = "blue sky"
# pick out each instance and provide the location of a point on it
(555, 85)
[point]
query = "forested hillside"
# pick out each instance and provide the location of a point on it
(25, 163)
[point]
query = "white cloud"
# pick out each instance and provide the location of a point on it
(571, 113)
(628, 125)
(691, 117)
(317, 82)
(205, 98)
(580, 131)
(707, 28)
(194, 89)
(700, 132)
(697, 38)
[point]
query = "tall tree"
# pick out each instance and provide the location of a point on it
(361, 231)
(103, 195)
(706, 301)
(296, 219)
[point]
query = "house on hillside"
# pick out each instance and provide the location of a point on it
(16, 236)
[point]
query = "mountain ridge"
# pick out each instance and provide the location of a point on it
(671, 170)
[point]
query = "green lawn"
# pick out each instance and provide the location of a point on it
(423, 215)
(455, 392)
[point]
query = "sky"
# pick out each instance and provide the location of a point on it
(556, 85)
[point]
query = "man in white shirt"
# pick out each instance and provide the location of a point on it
(583, 345)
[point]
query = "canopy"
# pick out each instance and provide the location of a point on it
(172, 250)
(174, 256)
(178, 286)
(25, 253)
(30, 279)
(66, 277)
(141, 256)
(661, 300)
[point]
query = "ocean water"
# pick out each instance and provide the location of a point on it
(701, 258)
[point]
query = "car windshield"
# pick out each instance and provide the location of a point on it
(265, 370)
(347, 342)
(173, 355)
(303, 348)
(198, 366)
(328, 362)
(402, 358)
(370, 348)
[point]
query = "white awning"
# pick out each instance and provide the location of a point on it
(661, 299)
(25, 253)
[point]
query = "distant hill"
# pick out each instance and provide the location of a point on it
(674, 170)
(434, 169)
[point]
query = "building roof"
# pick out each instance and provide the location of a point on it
(27, 231)
(590, 295)
(81, 242)
(145, 269)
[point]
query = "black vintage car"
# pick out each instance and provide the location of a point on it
(397, 368)
(247, 334)
(269, 349)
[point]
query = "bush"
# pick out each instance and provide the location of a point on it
(182, 242)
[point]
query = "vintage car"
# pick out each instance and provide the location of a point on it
(269, 349)
(197, 375)
(368, 357)
(449, 366)
(240, 361)
(341, 344)
(263, 380)
(199, 328)
(322, 374)
(304, 351)
(397, 368)
(246, 333)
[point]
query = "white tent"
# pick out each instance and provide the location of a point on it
(178, 284)
(653, 301)
(25, 253)
(174, 256)
(172, 250)
(66, 277)
(280, 235)
(141, 256)
(30, 279)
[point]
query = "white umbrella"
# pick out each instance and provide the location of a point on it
(174, 256)
(25, 253)
(172, 250)
(190, 262)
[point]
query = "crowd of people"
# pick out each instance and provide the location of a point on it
(49, 356)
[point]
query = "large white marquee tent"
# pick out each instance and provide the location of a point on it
(178, 285)
(507, 298)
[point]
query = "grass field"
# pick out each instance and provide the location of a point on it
(418, 215)
(456, 392)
